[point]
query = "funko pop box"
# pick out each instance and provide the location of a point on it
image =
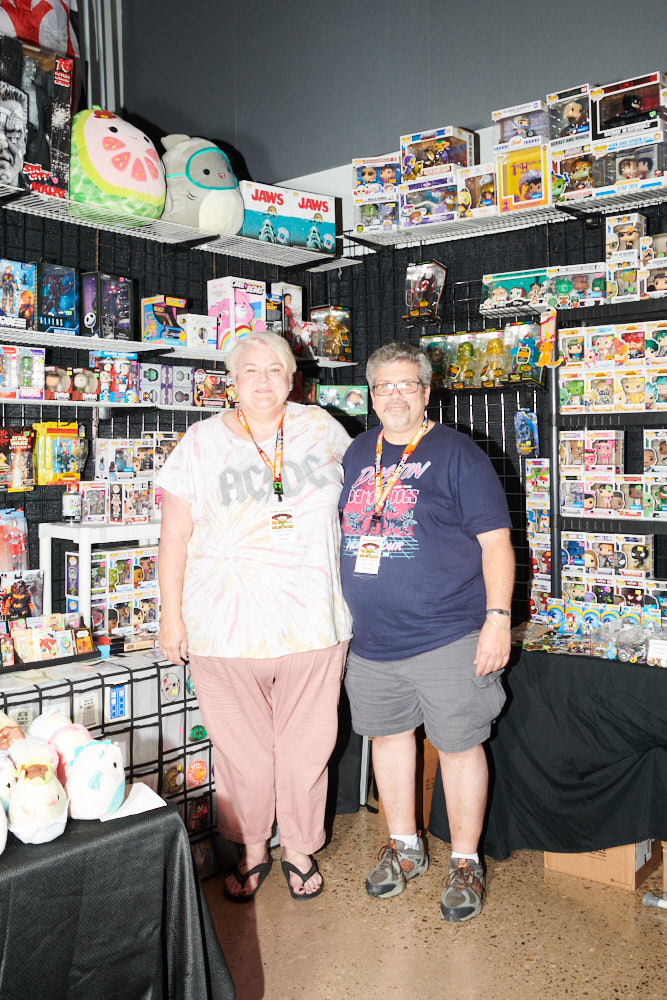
(430, 154)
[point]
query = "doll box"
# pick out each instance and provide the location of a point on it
(375, 177)
(57, 299)
(17, 290)
(200, 331)
(523, 176)
(267, 212)
(432, 200)
(107, 305)
(624, 234)
(239, 305)
(569, 118)
(572, 173)
(520, 124)
(628, 106)
(315, 221)
(477, 191)
(432, 153)
(159, 321)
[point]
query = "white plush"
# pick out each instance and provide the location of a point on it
(46, 724)
(202, 189)
(37, 805)
(32, 750)
(7, 779)
(96, 781)
(65, 742)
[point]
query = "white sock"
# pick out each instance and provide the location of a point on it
(469, 857)
(410, 840)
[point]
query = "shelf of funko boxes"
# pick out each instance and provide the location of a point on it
(628, 200)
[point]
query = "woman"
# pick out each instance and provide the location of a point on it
(250, 586)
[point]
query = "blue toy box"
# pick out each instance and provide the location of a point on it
(314, 221)
(267, 211)
(17, 286)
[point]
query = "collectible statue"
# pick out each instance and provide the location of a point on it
(202, 190)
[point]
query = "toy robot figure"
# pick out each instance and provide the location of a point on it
(10, 287)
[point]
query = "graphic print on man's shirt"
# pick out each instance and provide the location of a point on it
(397, 522)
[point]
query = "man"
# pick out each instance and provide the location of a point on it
(427, 569)
(13, 134)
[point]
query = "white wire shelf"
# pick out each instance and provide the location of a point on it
(623, 202)
(267, 253)
(10, 335)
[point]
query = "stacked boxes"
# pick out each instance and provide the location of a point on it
(375, 193)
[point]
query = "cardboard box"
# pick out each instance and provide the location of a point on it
(624, 867)
(427, 770)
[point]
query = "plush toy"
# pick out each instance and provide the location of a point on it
(45, 725)
(114, 165)
(202, 190)
(32, 750)
(96, 781)
(3, 830)
(37, 805)
(7, 779)
(65, 742)
(9, 731)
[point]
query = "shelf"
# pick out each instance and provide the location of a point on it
(73, 404)
(98, 533)
(266, 253)
(642, 309)
(612, 420)
(624, 202)
(615, 525)
(10, 335)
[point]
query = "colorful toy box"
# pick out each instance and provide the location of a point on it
(376, 216)
(21, 372)
(212, 388)
(569, 117)
(432, 200)
(623, 280)
(424, 287)
(514, 288)
(653, 277)
(239, 305)
(315, 221)
(177, 385)
(571, 173)
(431, 153)
(93, 502)
(118, 374)
(629, 106)
(630, 163)
(17, 290)
(107, 305)
(477, 191)
(524, 178)
(332, 337)
(624, 235)
(267, 213)
(599, 391)
(57, 299)
(375, 178)
(159, 321)
(520, 125)
(578, 285)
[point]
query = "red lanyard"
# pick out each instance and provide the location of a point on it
(275, 467)
(382, 494)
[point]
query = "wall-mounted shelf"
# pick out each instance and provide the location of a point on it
(616, 525)
(628, 200)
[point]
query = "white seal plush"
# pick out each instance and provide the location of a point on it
(202, 189)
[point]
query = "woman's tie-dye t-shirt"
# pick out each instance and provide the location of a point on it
(244, 595)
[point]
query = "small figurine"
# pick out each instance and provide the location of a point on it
(576, 115)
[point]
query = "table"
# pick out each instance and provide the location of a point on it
(108, 910)
(578, 759)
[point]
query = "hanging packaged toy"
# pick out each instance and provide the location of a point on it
(525, 429)
(424, 284)
(13, 541)
(60, 451)
(16, 458)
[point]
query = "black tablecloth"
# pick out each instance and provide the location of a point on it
(108, 910)
(578, 760)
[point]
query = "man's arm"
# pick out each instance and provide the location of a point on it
(493, 646)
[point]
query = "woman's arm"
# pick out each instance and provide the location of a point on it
(175, 534)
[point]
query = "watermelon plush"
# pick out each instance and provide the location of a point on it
(114, 165)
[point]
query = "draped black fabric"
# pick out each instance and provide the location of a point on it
(110, 910)
(578, 761)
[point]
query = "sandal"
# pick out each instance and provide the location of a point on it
(245, 897)
(287, 868)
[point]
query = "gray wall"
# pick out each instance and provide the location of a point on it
(303, 85)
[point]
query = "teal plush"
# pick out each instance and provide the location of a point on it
(202, 190)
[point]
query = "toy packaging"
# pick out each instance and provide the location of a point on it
(653, 247)
(17, 288)
(629, 390)
(522, 339)
(512, 290)
(436, 349)
(569, 117)
(57, 383)
(572, 173)
(431, 154)
(630, 163)
(629, 344)
(623, 280)
(603, 450)
(463, 363)
(526, 434)
(177, 385)
(424, 286)
(137, 501)
(292, 311)
(118, 374)
(427, 201)
(520, 125)
(213, 388)
(477, 191)
(376, 216)
(630, 106)
(57, 299)
(150, 379)
(352, 399)
(267, 213)
(85, 385)
(375, 178)
(493, 360)
(60, 452)
(159, 321)
(17, 467)
(200, 331)
(572, 451)
(653, 278)
(107, 305)
(315, 221)
(332, 336)
(36, 88)
(93, 502)
(523, 176)
(571, 343)
(623, 235)
(239, 305)
(21, 372)
(578, 285)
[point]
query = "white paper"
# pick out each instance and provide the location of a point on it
(141, 799)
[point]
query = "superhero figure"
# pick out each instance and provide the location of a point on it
(10, 287)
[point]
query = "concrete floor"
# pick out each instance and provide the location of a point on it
(541, 935)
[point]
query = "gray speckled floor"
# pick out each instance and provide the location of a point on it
(541, 935)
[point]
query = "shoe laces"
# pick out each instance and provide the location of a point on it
(388, 858)
(464, 876)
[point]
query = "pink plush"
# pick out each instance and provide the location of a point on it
(65, 741)
(46, 724)
(9, 731)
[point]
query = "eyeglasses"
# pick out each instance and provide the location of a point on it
(386, 388)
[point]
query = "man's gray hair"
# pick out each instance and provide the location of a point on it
(282, 350)
(397, 351)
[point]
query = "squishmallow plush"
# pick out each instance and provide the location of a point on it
(202, 189)
(45, 725)
(10, 731)
(114, 165)
(96, 781)
(32, 750)
(7, 779)
(37, 805)
(65, 742)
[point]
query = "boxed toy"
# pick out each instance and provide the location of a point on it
(431, 153)
(599, 392)
(436, 349)
(571, 451)
(159, 321)
(578, 285)
(572, 173)
(352, 399)
(120, 567)
(463, 365)
(514, 288)
(631, 163)
(85, 385)
(523, 176)
(629, 106)
(137, 502)
(57, 383)
(655, 450)
(22, 372)
(144, 456)
(118, 374)
(57, 299)
(107, 305)
(239, 305)
(430, 200)
(212, 388)
(200, 331)
(572, 347)
(178, 388)
(375, 177)
(145, 568)
(150, 377)
(623, 280)
(655, 495)
(494, 364)
(632, 490)
(629, 386)
(93, 502)
(603, 450)
(267, 213)
(624, 234)
(315, 220)
(522, 340)
(653, 246)
(653, 276)
(332, 336)
(569, 116)
(146, 613)
(292, 310)
(477, 191)
(36, 91)
(600, 347)
(120, 608)
(572, 393)
(376, 216)
(572, 495)
(629, 344)
(17, 287)
(424, 285)
(520, 125)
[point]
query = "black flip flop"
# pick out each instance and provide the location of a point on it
(263, 870)
(287, 868)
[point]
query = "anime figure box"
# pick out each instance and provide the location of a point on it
(569, 117)
(429, 154)
(267, 213)
(17, 291)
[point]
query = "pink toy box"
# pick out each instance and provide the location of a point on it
(240, 306)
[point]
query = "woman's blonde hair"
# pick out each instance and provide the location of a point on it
(277, 344)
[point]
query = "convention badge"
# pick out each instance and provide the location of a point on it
(196, 773)
(369, 554)
(282, 525)
(171, 686)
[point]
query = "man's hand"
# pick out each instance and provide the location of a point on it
(493, 648)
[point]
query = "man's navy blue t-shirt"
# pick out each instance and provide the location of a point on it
(430, 589)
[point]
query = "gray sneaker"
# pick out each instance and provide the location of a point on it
(397, 865)
(464, 891)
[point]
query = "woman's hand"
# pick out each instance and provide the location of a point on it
(174, 639)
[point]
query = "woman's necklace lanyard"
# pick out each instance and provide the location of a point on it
(382, 494)
(275, 467)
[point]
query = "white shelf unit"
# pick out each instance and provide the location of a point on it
(85, 536)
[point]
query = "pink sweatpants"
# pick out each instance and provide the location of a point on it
(273, 726)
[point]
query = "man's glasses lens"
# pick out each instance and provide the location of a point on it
(386, 388)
